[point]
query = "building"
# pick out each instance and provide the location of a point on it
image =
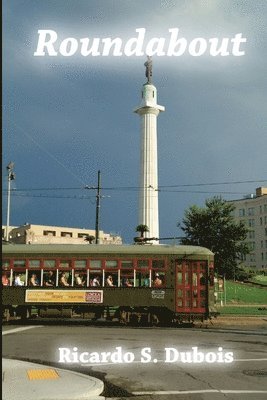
(43, 234)
(253, 211)
(148, 195)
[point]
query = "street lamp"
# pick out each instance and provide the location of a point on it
(10, 177)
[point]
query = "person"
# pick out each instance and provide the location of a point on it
(109, 281)
(33, 280)
(78, 280)
(18, 281)
(146, 281)
(202, 279)
(126, 282)
(63, 280)
(157, 281)
(96, 281)
(5, 280)
(49, 279)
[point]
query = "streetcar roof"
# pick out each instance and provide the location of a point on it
(19, 249)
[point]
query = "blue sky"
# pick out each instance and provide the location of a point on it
(66, 118)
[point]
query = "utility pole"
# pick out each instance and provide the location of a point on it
(97, 208)
(10, 177)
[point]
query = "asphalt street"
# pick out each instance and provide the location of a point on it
(198, 363)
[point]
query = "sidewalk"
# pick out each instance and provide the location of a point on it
(28, 381)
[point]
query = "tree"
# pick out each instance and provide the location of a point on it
(214, 227)
(142, 229)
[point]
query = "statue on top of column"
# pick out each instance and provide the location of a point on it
(148, 65)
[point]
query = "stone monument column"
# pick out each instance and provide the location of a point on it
(148, 194)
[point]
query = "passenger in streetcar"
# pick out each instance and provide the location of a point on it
(34, 280)
(157, 281)
(79, 280)
(109, 281)
(18, 281)
(63, 280)
(5, 280)
(126, 283)
(49, 279)
(96, 281)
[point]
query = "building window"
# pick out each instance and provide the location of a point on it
(251, 235)
(49, 233)
(82, 235)
(265, 208)
(66, 234)
(251, 246)
(252, 258)
(241, 212)
(251, 223)
(260, 220)
(251, 211)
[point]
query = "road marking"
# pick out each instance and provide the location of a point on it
(199, 392)
(15, 330)
(42, 374)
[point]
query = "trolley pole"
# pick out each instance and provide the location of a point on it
(97, 208)
(10, 177)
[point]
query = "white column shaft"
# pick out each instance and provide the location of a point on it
(148, 197)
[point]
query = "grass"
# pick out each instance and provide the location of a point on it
(242, 311)
(244, 299)
(245, 293)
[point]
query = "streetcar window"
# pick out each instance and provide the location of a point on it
(65, 264)
(111, 280)
(34, 279)
(34, 263)
(194, 279)
(65, 279)
(127, 278)
(142, 279)
(142, 264)
(111, 264)
(80, 278)
(158, 264)
(180, 277)
(95, 264)
(19, 263)
(19, 279)
(80, 263)
(49, 264)
(127, 264)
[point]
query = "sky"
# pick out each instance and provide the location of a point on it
(65, 118)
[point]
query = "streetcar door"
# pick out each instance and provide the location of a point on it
(191, 293)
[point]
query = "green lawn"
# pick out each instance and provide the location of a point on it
(245, 293)
(231, 310)
(244, 299)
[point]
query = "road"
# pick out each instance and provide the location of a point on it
(244, 378)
